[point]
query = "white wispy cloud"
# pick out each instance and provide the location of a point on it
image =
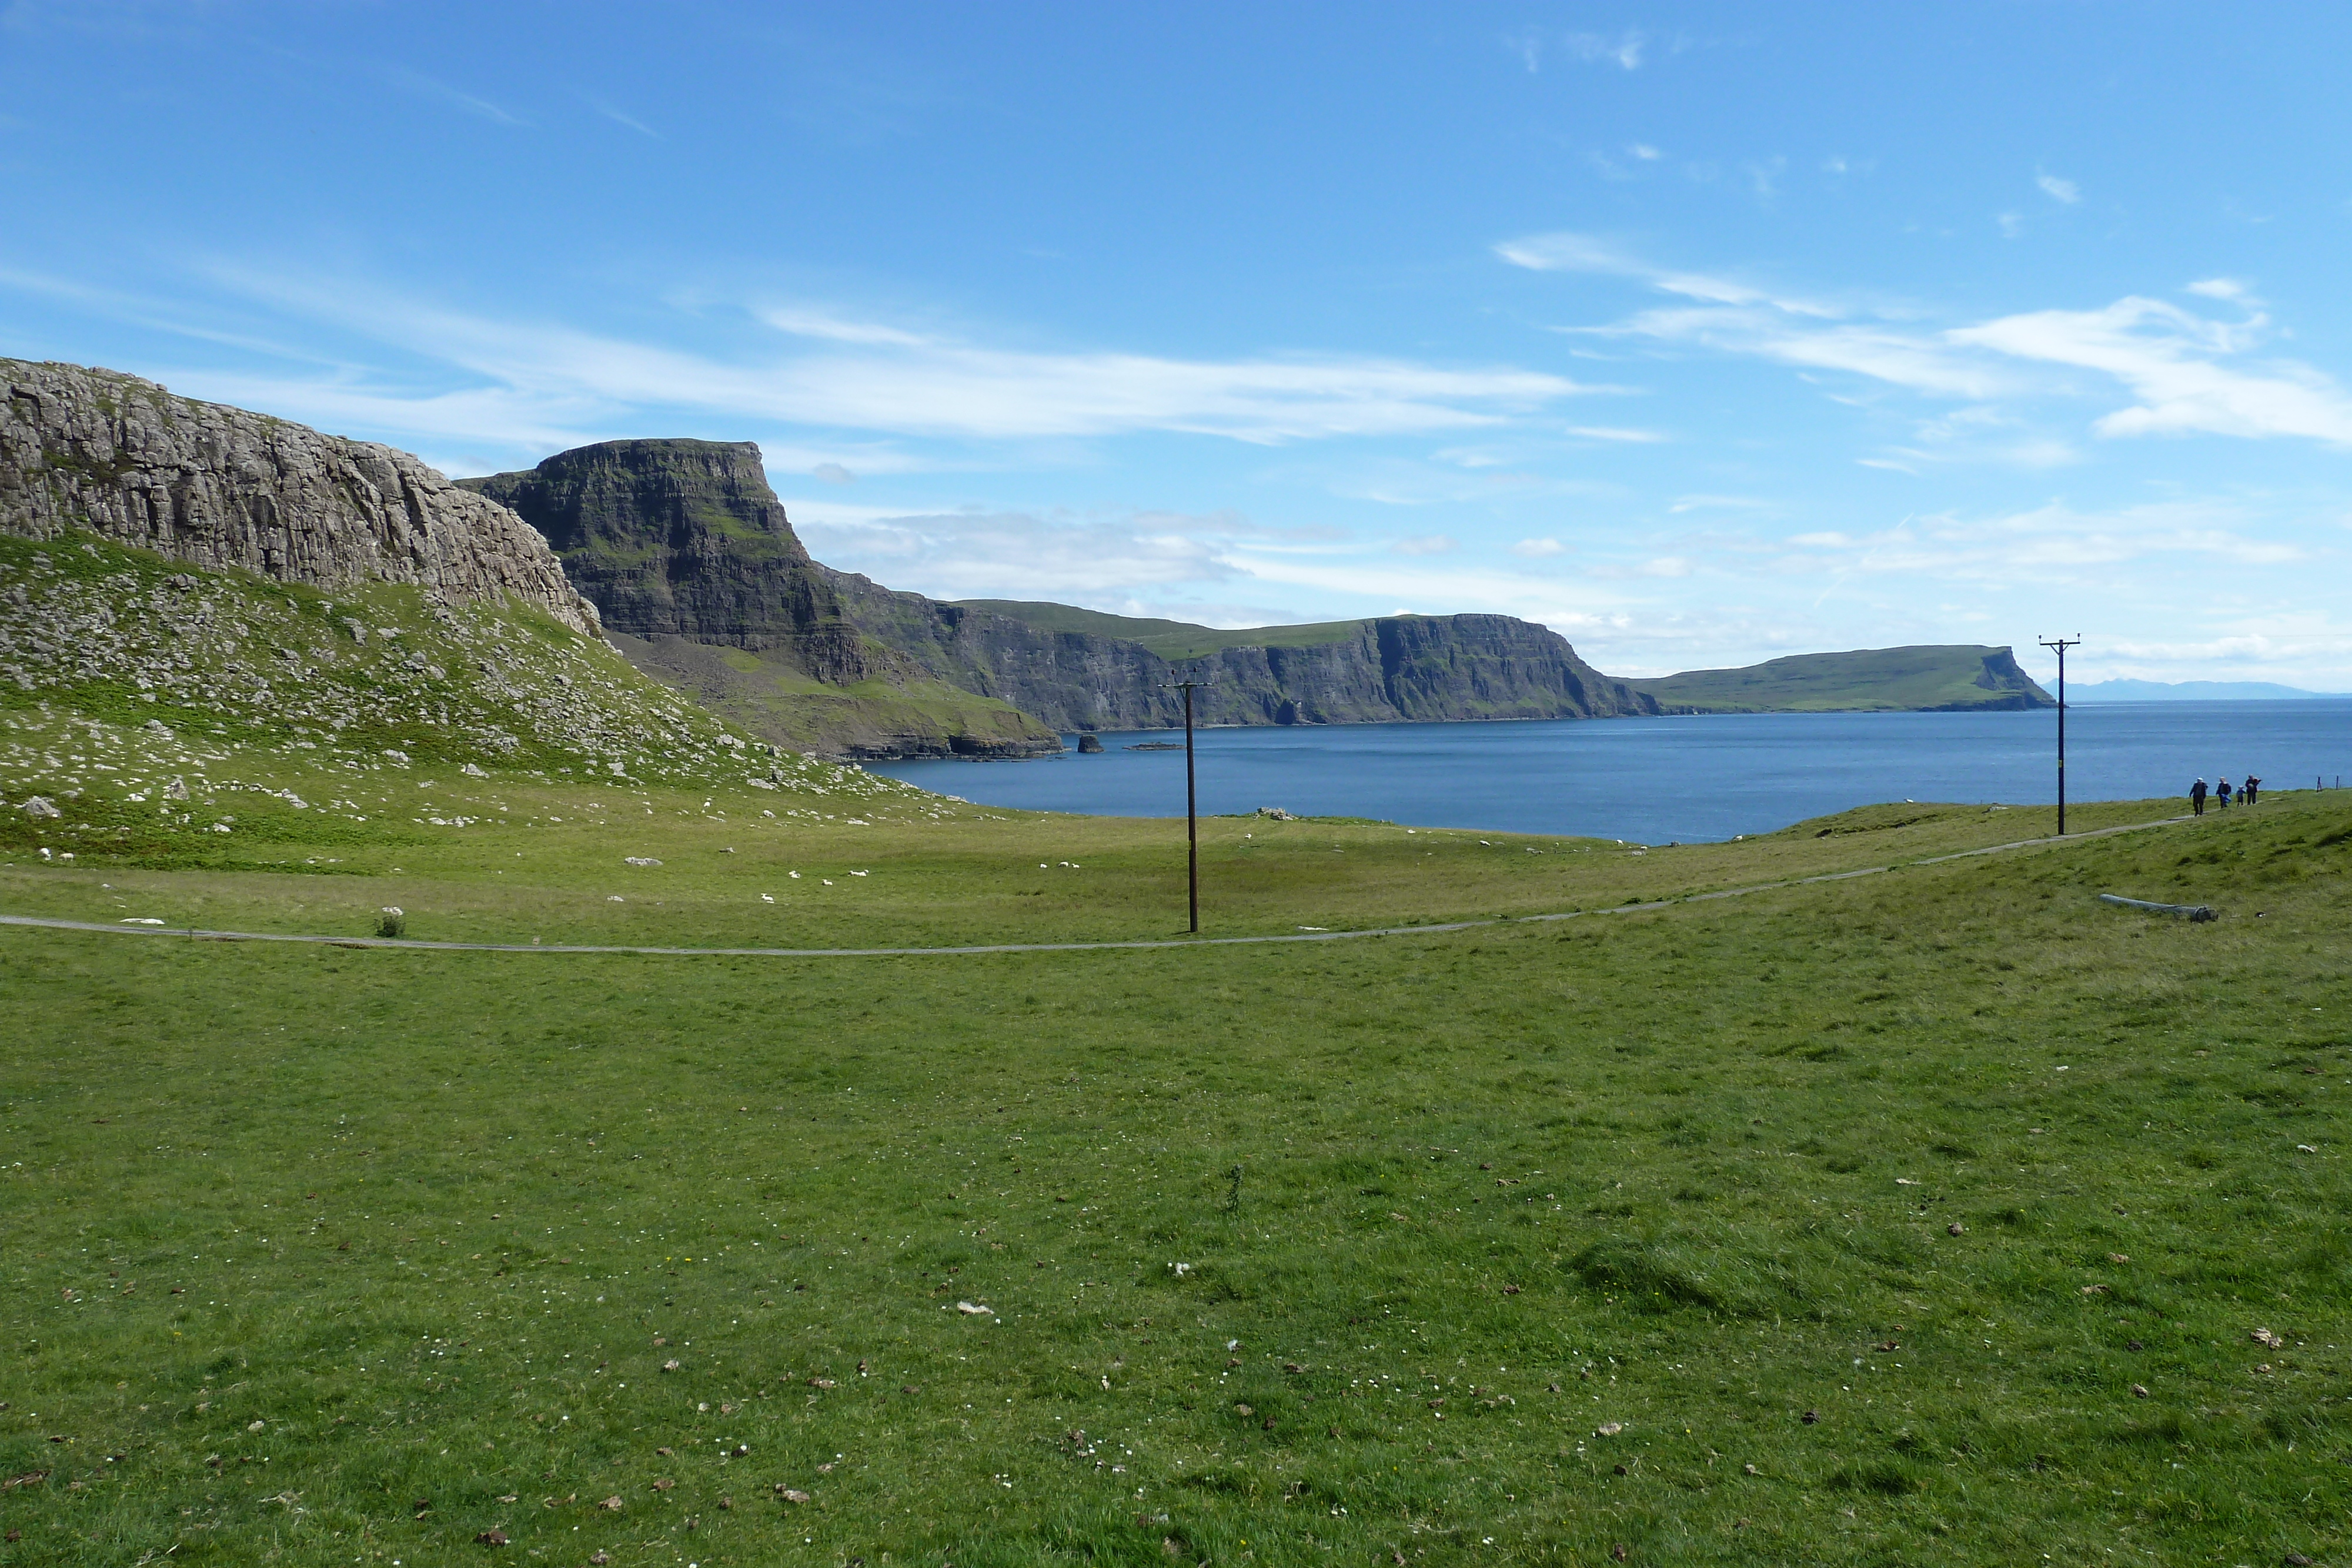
(2036, 545)
(1616, 433)
(1884, 352)
(617, 118)
(2171, 361)
(532, 383)
(2189, 372)
(1724, 502)
(1017, 555)
(831, 326)
(1425, 544)
(2059, 189)
(428, 87)
(1538, 549)
(1570, 252)
(1624, 50)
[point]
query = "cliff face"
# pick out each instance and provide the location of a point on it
(221, 488)
(2011, 685)
(689, 556)
(702, 583)
(1389, 670)
(683, 538)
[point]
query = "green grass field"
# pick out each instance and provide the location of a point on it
(1927, 1216)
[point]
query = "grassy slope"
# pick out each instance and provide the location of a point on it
(764, 694)
(138, 694)
(1450, 1205)
(1866, 679)
(1169, 639)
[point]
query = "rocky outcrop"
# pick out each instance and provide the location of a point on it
(683, 538)
(1390, 669)
(702, 583)
(223, 488)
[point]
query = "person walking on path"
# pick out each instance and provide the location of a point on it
(2254, 789)
(2221, 795)
(2197, 798)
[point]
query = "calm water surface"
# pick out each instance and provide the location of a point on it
(1651, 780)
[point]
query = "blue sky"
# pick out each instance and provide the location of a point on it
(1700, 333)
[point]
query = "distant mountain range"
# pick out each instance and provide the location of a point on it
(2123, 690)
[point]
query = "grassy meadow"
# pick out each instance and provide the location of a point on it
(1929, 1216)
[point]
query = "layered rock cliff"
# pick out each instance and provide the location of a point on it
(701, 582)
(222, 487)
(1390, 669)
(683, 538)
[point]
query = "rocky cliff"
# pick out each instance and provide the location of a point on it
(702, 582)
(690, 557)
(1390, 669)
(683, 538)
(222, 487)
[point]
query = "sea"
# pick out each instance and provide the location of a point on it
(1683, 780)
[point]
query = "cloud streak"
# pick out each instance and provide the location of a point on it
(830, 370)
(2172, 362)
(2187, 374)
(428, 87)
(1023, 555)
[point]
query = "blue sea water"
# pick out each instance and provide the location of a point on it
(1653, 780)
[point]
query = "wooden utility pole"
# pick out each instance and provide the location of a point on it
(2059, 645)
(1191, 816)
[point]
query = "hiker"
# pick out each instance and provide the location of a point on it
(2197, 798)
(2252, 787)
(2222, 794)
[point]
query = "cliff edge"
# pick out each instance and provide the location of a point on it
(688, 555)
(1077, 671)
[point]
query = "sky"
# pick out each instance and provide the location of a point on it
(1702, 334)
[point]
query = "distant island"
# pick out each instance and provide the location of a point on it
(2129, 691)
(1936, 678)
